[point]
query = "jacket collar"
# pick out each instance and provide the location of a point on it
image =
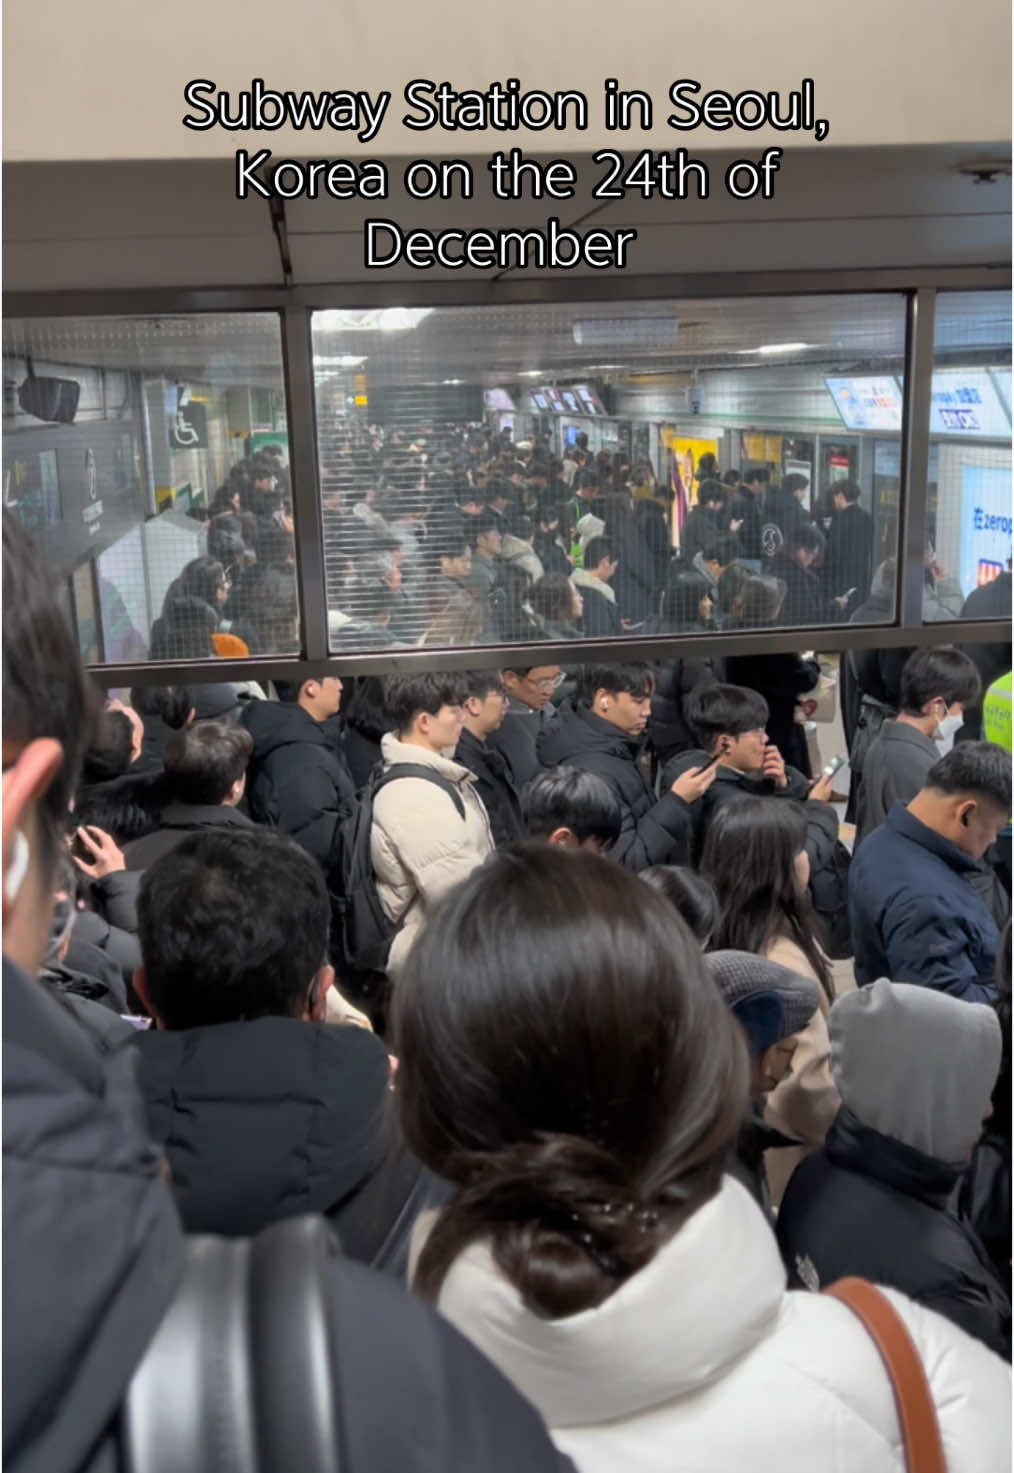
(707, 1297)
(904, 823)
(859, 1148)
(203, 815)
(584, 579)
(900, 731)
(392, 751)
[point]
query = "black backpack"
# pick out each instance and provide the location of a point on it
(361, 931)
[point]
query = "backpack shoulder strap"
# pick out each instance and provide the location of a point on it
(917, 1413)
(239, 1373)
(418, 769)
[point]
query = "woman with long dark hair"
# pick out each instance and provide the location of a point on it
(568, 1065)
(755, 856)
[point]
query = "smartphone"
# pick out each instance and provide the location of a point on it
(832, 767)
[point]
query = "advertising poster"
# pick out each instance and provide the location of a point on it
(985, 525)
(684, 456)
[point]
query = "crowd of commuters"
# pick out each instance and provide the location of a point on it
(466, 537)
(593, 1047)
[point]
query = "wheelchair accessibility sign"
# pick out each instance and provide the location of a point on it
(188, 427)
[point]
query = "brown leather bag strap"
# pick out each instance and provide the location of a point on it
(917, 1414)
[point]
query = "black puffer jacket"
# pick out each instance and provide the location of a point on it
(654, 831)
(81, 1175)
(867, 1204)
(731, 786)
(495, 787)
(179, 821)
(668, 730)
(273, 1118)
(296, 781)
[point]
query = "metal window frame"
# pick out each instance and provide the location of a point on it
(295, 305)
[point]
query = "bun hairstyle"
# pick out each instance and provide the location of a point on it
(567, 1062)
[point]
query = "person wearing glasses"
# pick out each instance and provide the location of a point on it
(529, 712)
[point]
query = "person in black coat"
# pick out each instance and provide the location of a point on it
(704, 521)
(366, 720)
(297, 780)
(263, 1109)
(81, 1174)
(984, 1193)
(805, 603)
(205, 776)
(549, 542)
(601, 731)
(485, 710)
(848, 557)
(600, 614)
(743, 512)
(914, 1070)
(668, 726)
(780, 678)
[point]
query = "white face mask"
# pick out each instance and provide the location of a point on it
(948, 730)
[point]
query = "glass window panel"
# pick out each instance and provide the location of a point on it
(969, 552)
(148, 457)
(498, 475)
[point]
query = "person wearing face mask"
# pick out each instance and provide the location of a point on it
(915, 912)
(914, 1070)
(936, 686)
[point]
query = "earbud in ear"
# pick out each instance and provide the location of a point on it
(18, 867)
(605, 705)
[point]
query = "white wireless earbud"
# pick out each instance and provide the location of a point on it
(18, 867)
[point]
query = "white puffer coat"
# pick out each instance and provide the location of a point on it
(420, 845)
(703, 1362)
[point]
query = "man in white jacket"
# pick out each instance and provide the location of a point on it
(428, 833)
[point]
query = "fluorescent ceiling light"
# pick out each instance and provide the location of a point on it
(530, 373)
(769, 348)
(374, 319)
(347, 360)
(452, 380)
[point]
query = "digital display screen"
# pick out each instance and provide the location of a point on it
(539, 400)
(499, 399)
(867, 403)
(964, 401)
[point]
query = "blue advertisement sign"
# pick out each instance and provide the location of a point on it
(985, 525)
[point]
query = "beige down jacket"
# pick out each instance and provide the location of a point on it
(420, 845)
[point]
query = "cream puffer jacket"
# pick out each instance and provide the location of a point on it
(420, 845)
(704, 1361)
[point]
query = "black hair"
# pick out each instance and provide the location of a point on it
(682, 597)
(45, 691)
(204, 760)
(806, 538)
(758, 601)
(849, 489)
(201, 578)
(289, 691)
(724, 710)
(523, 528)
(567, 1063)
(1001, 1119)
(945, 674)
(711, 490)
(481, 525)
(733, 576)
(569, 798)
(596, 551)
(720, 549)
(635, 679)
(479, 683)
(749, 855)
(233, 926)
(366, 712)
(171, 703)
(707, 466)
(692, 894)
(370, 599)
(980, 769)
(407, 696)
(760, 476)
(586, 479)
(731, 478)
(553, 598)
(795, 481)
(111, 748)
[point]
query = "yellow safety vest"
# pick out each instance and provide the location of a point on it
(996, 713)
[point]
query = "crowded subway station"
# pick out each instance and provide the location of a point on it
(507, 828)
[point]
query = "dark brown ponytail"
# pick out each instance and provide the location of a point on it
(568, 1063)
